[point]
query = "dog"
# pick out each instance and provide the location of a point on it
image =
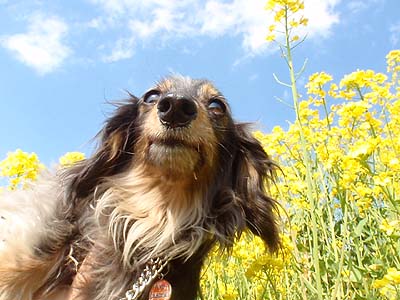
(172, 175)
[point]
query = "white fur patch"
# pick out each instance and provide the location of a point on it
(24, 214)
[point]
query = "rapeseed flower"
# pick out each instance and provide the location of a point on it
(71, 158)
(20, 168)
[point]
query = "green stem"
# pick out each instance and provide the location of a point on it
(309, 180)
(338, 289)
(326, 111)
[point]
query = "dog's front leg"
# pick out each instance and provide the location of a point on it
(78, 289)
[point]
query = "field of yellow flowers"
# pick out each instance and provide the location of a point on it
(343, 240)
(339, 189)
(341, 237)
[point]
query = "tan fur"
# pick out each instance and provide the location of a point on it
(115, 142)
(60, 293)
(199, 139)
(208, 91)
(22, 278)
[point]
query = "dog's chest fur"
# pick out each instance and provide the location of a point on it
(143, 218)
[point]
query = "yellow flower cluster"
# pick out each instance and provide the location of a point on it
(245, 271)
(352, 134)
(315, 85)
(285, 15)
(393, 62)
(71, 158)
(20, 167)
(389, 285)
(390, 227)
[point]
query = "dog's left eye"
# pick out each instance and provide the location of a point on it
(217, 107)
(151, 97)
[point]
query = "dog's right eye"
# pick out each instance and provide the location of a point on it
(151, 97)
(217, 107)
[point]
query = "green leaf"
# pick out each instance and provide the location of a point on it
(360, 226)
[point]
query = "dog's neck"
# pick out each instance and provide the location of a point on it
(152, 216)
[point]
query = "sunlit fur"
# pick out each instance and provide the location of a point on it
(149, 190)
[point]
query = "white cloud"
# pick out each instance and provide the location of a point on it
(322, 17)
(96, 23)
(247, 19)
(41, 46)
(123, 49)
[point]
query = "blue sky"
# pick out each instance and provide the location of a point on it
(61, 61)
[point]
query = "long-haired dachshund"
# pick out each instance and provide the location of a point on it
(173, 174)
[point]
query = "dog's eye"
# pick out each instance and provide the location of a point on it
(151, 97)
(217, 107)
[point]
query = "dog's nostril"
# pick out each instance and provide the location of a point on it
(164, 105)
(176, 111)
(189, 107)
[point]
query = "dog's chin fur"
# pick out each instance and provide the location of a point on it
(148, 191)
(174, 159)
(147, 214)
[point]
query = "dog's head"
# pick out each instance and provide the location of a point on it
(182, 130)
(180, 121)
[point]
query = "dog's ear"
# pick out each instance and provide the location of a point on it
(114, 152)
(252, 172)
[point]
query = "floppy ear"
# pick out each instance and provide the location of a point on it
(114, 152)
(252, 169)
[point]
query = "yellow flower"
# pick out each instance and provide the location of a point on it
(362, 148)
(20, 167)
(316, 82)
(271, 28)
(352, 112)
(283, 8)
(362, 78)
(389, 227)
(388, 284)
(71, 158)
(293, 23)
(303, 21)
(393, 61)
(270, 38)
(295, 38)
(380, 283)
(393, 275)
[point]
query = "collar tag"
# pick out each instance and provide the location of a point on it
(161, 290)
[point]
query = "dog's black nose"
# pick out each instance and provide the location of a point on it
(176, 111)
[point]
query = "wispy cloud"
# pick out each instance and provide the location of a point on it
(395, 34)
(171, 19)
(131, 23)
(123, 49)
(356, 6)
(41, 46)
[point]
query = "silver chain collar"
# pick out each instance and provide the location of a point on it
(151, 271)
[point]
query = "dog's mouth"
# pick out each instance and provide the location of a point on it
(173, 143)
(175, 155)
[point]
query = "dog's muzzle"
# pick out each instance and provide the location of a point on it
(176, 111)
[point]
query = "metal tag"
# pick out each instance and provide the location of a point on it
(161, 290)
